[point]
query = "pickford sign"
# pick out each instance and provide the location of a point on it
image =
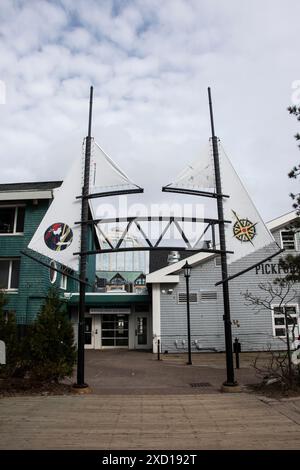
(274, 268)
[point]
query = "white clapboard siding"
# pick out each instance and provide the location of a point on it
(255, 330)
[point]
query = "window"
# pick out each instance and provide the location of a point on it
(115, 330)
(63, 281)
(12, 219)
(140, 281)
(117, 280)
(64, 277)
(53, 273)
(9, 273)
(288, 240)
(182, 297)
(279, 326)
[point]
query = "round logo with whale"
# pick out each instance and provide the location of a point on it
(58, 236)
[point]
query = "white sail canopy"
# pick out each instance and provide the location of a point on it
(58, 237)
(105, 174)
(246, 232)
(199, 174)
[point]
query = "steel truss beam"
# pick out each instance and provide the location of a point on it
(148, 248)
(210, 223)
(151, 218)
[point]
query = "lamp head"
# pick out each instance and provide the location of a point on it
(187, 269)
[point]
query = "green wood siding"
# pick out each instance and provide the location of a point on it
(34, 281)
(34, 278)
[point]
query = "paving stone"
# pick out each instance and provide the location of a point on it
(67, 422)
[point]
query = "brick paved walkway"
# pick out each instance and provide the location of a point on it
(138, 372)
(213, 421)
(140, 403)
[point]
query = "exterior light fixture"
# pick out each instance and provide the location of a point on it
(187, 273)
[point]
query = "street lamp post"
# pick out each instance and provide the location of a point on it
(187, 273)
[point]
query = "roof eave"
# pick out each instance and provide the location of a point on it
(26, 195)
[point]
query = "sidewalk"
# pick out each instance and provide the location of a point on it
(138, 402)
(136, 372)
(205, 421)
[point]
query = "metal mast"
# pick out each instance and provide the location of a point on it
(83, 248)
(227, 322)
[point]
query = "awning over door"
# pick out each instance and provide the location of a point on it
(99, 300)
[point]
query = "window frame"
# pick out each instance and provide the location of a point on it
(63, 281)
(10, 260)
(117, 280)
(295, 241)
(53, 266)
(296, 315)
(16, 207)
(140, 281)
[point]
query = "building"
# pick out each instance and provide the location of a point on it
(126, 309)
(123, 261)
(22, 207)
(114, 318)
(255, 331)
(121, 281)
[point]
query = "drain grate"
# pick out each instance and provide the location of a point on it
(201, 384)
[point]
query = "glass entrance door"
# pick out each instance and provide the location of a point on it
(114, 330)
(141, 331)
(88, 335)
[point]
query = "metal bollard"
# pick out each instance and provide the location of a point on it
(158, 349)
(237, 349)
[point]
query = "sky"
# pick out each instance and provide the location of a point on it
(150, 62)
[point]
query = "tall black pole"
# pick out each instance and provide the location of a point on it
(227, 322)
(187, 279)
(83, 248)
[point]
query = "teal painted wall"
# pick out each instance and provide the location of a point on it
(34, 280)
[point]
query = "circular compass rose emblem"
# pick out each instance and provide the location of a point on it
(243, 229)
(58, 236)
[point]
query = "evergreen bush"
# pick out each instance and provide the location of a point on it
(52, 353)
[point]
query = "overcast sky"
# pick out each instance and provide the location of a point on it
(150, 62)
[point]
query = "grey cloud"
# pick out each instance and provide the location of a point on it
(151, 63)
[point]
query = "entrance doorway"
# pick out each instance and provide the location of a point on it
(88, 333)
(114, 331)
(108, 328)
(141, 332)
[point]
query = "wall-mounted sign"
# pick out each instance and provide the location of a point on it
(273, 268)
